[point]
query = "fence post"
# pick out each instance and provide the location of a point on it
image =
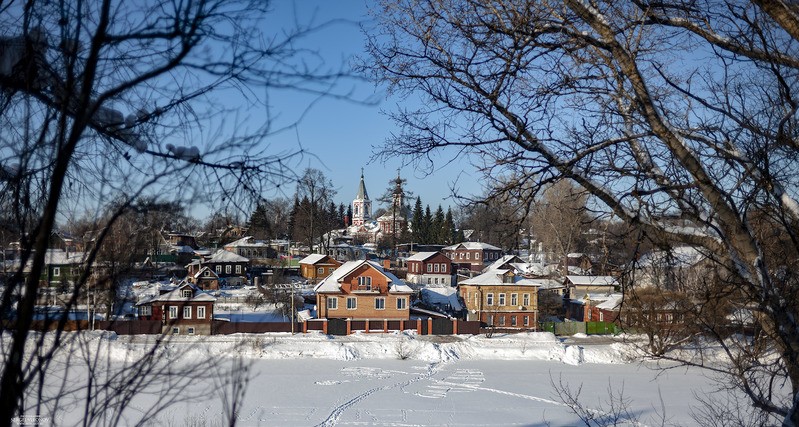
(454, 326)
(324, 327)
(419, 326)
(429, 326)
(385, 325)
(305, 327)
(349, 327)
(366, 325)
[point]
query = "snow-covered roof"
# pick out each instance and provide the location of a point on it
(59, 257)
(501, 261)
(246, 241)
(177, 295)
(472, 245)
(226, 256)
(312, 259)
(495, 278)
(680, 256)
(421, 256)
(332, 283)
(592, 280)
(203, 270)
(443, 295)
(612, 303)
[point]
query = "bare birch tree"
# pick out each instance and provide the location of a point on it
(108, 102)
(665, 112)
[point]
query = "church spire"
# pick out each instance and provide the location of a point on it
(361, 206)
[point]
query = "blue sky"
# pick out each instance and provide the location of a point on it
(341, 135)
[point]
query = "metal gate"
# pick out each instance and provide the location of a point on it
(337, 326)
(442, 327)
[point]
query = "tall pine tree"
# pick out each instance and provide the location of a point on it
(417, 222)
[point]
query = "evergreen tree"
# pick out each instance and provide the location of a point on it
(438, 231)
(427, 226)
(292, 222)
(417, 222)
(449, 226)
(260, 226)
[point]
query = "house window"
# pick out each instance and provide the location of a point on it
(201, 312)
(402, 303)
(526, 320)
(173, 312)
(435, 280)
(429, 281)
(514, 299)
(187, 293)
(218, 269)
(526, 299)
(429, 268)
(56, 271)
(477, 255)
(191, 331)
(352, 303)
(365, 281)
(501, 299)
(145, 310)
(513, 320)
(501, 320)
(175, 331)
(435, 268)
(468, 255)
(489, 299)
(320, 271)
(490, 320)
(187, 312)
(380, 303)
(601, 316)
(238, 268)
(332, 303)
(227, 269)
(443, 268)
(207, 273)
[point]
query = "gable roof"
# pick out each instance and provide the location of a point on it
(421, 256)
(226, 256)
(332, 283)
(495, 278)
(472, 246)
(503, 260)
(312, 258)
(203, 270)
(177, 295)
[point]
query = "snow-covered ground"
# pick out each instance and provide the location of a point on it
(402, 379)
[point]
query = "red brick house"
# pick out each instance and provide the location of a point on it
(185, 310)
(474, 256)
(430, 268)
(363, 290)
(318, 266)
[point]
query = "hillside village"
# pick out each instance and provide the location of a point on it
(367, 275)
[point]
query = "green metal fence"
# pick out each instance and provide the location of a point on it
(571, 328)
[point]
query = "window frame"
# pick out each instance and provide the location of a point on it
(402, 303)
(187, 310)
(201, 312)
(380, 303)
(525, 299)
(352, 303)
(173, 312)
(332, 303)
(56, 271)
(490, 299)
(514, 299)
(501, 299)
